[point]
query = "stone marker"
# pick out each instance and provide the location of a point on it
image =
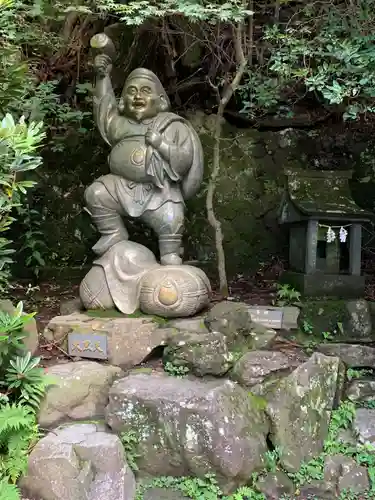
(129, 340)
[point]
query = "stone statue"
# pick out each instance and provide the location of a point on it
(156, 162)
(156, 159)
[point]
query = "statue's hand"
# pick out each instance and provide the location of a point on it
(102, 65)
(153, 138)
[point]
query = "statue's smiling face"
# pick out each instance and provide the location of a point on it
(140, 99)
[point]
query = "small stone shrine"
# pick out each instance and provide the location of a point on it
(155, 165)
(325, 233)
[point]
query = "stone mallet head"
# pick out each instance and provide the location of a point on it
(102, 44)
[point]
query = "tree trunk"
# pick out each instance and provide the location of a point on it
(215, 172)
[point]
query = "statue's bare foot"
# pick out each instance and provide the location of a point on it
(171, 259)
(106, 242)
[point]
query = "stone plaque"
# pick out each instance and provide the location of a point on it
(272, 317)
(88, 345)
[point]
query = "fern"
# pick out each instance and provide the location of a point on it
(8, 491)
(18, 431)
(14, 417)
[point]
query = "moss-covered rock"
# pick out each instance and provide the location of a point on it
(263, 367)
(80, 392)
(190, 426)
(299, 409)
(353, 355)
(203, 354)
(343, 319)
(361, 390)
(233, 320)
(318, 316)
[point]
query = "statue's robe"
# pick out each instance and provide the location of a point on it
(141, 177)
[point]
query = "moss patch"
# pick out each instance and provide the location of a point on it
(114, 313)
(318, 316)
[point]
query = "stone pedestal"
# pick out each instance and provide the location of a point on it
(129, 278)
(321, 284)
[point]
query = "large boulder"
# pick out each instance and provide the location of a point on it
(353, 355)
(202, 353)
(79, 462)
(190, 427)
(299, 408)
(80, 392)
(263, 367)
(130, 340)
(233, 319)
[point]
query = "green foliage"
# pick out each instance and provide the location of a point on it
(129, 441)
(287, 295)
(22, 380)
(324, 49)
(364, 455)
(18, 430)
(137, 12)
(23, 385)
(8, 491)
(196, 488)
(11, 335)
(175, 371)
(26, 380)
(353, 373)
(18, 143)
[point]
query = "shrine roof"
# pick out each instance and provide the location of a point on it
(323, 194)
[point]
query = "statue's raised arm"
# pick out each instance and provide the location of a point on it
(106, 111)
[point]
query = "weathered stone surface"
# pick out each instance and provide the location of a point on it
(233, 320)
(256, 367)
(203, 354)
(275, 485)
(31, 341)
(289, 320)
(71, 306)
(361, 390)
(190, 427)
(195, 324)
(163, 494)
(364, 425)
(354, 479)
(299, 408)
(316, 491)
(129, 340)
(359, 323)
(80, 393)
(353, 355)
(290, 317)
(79, 462)
(342, 473)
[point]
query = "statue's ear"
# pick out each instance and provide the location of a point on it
(163, 103)
(121, 105)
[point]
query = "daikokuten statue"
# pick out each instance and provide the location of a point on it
(156, 163)
(156, 159)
